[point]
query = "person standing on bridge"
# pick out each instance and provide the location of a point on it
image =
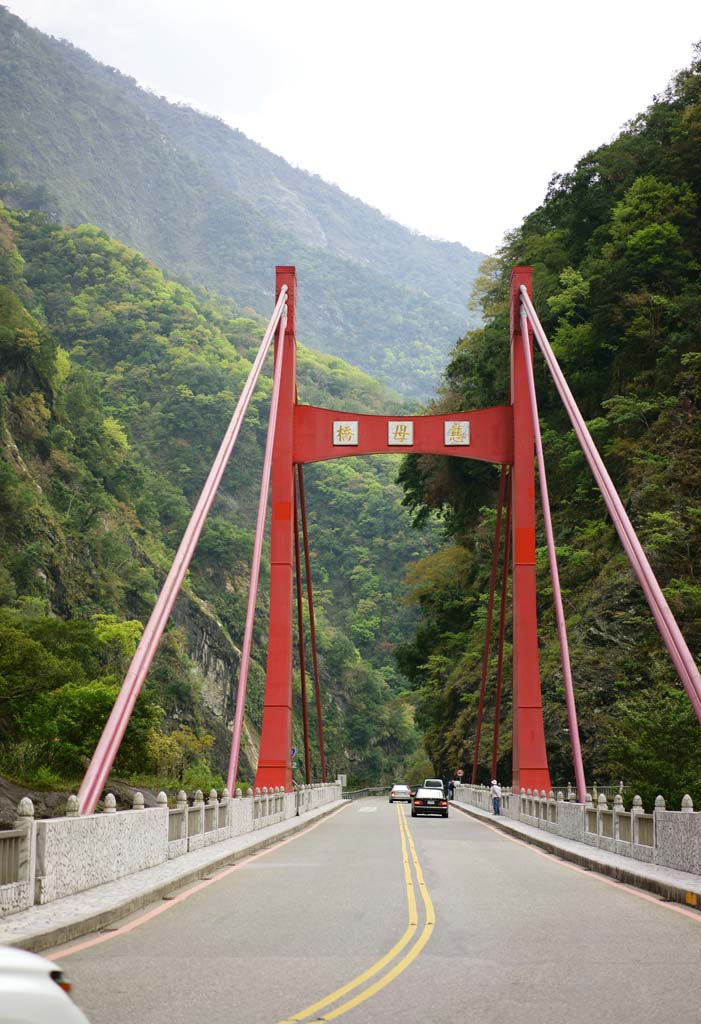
(495, 793)
(451, 789)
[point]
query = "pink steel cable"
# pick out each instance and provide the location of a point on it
(666, 623)
(554, 571)
(488, 625)
(108, 745)
(255, 564)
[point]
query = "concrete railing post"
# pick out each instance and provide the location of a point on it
(601, 805)
(110, 804)
(618, 809)
(138, 801)
(181, 805)
(224, 820)
(26, 861)
(636, 809)
(162, 801)
(72, 806)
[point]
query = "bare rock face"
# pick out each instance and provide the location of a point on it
(46, 805)
(53, 804)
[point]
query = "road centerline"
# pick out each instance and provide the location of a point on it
(409, 858)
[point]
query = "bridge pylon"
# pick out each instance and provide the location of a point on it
(502, 435)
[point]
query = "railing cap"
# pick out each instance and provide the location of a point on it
(25, 808)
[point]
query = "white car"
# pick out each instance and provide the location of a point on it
(34, 990)
(400, 793)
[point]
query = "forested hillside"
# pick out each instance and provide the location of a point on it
(216, 209)
(616, 253)
(116, 386)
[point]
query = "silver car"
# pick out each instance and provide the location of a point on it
(399, 792)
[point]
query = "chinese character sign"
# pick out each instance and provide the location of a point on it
(345, 432)
(456, 432)
(400, 432)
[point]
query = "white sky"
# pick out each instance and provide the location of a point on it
(449, 116)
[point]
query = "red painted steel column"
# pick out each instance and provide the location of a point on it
(275, 758)
(530, 762)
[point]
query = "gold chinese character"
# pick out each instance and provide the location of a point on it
(457, 434)
(344, 433)
(400, 434)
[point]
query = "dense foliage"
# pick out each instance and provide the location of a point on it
(116, 386)
(216, 209)
(615, 250)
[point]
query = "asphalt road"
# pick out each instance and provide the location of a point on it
(338, 922)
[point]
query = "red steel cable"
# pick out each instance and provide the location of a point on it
(488, 626)
(300, 636)
(108, 745)
(554, 571)
(255, 564)
(312, 624)
(666, 623)
(502, 627)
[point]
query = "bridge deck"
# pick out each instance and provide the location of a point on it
(518, 936)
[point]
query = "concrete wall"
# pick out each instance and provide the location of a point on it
(670, 839)
(74, 854)
(45, 860)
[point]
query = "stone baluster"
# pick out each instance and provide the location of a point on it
(601, 805)
(181, 805)
(687, 804)
(198, 806)
(138, 801)
(162, 801)
(636, 809)
(618, 809)
(226, 804)
(110, 804)
(72, 806)
(26, 860)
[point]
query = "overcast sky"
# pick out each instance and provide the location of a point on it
(450, 116)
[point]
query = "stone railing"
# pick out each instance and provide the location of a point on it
(670, 839)
(359, 794)
(46, 859)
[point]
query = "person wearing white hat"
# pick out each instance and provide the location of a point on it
(495, 793)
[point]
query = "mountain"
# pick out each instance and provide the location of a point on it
(615, 250)
(215, 209)
(116, 386)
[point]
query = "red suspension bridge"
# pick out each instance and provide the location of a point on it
(507, 436)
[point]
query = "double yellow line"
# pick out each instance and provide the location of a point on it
(411, 935)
